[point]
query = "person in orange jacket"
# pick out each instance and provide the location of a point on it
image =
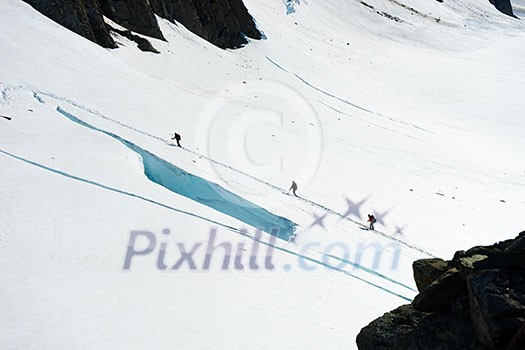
(372, 220)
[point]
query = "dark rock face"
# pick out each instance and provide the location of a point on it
(440, 293)
(409, 329)
(518, 342)
(477, 303)
(82, 17)
(503, 6)
(136, 15)
(142, 44)
(427, 271)
(392, 331)
(497, 304)
(224, 23)
(246, 22)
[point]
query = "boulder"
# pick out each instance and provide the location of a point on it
(467, 264)
(427, 271)
(408, 329)
(440, 293)
(506, 259)
(497, 305)
(391, 331)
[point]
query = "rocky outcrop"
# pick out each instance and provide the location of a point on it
(83, 17)
(408, 329)
(518, 342)
(427, 271)
(226, 23)
(135, 15)
(497, 305)
(142, 44)
(476, 301)
(503, 6)
(439, 294)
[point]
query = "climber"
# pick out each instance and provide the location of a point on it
(293, 188)
(177, 138)
(372, 220)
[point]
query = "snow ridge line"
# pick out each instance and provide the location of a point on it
(276, 188)
(364, 120)
(230, 228)
(304, 81)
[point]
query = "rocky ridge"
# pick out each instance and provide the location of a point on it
(474, 301)
(226, 23)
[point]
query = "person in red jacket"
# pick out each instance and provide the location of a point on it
(372, 220)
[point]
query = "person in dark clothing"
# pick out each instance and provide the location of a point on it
(177, 138)
(372, 220)
(293, 188)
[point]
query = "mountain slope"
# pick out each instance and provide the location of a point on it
(420, 117)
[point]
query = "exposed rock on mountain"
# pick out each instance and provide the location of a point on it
(226, 23)
(82, 17)
(135, 15)
(406, 328)
(142, 44)
(427, 271)
(475, 301)
(503, 6)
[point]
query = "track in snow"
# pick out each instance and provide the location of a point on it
(36, 95)
(200, 190)
(363, 109)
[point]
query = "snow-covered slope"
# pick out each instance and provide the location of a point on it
(414, 108)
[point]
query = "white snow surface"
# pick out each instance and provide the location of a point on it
(422, 117)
